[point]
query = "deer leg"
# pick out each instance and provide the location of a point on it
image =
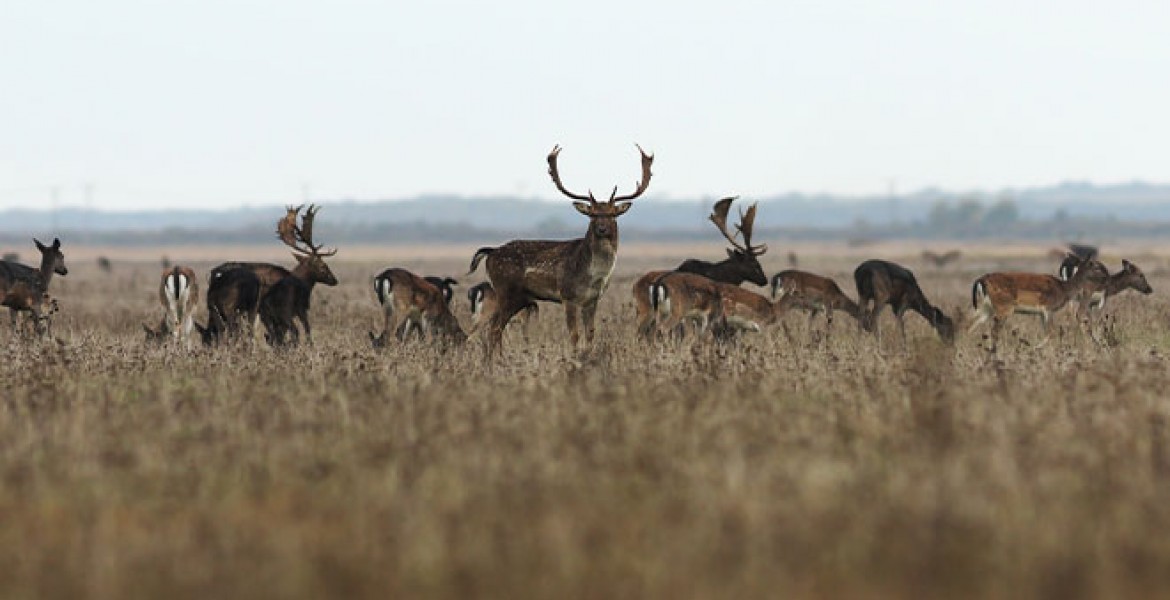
(571, 313)
(900, 314)
(587, 313)
(1046, 324)
(304, 318)
(506, 308)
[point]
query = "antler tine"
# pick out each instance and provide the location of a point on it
(719, 218)
(286, 228)
(552, 171)
(306, 230)
(746, 222)
(647, 161)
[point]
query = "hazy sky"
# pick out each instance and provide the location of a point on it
(187, 103)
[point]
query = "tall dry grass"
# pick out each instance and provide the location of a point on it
(788, 466)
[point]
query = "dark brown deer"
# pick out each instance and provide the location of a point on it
(1099, 289)
(574, 273)
(233, 298)
(23, 288)
(418, 302)
(881, 283)
(998, 296)
(482, 300)
(940, 261)
(310, 270)
(742, 263)
(812, 293)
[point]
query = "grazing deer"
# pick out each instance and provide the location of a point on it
(813, 293)
(742, 263)
(233, 297)
(940, 261)
(23, 288)
(880, 283)
(178, 291)
(677, 297)
(1100, 287)
(483, 302)
(716, 306)
(1000, 295)
(446, 286)
(419, 303)
(310, 270)
(573, 272)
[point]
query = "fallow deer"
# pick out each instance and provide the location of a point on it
(178, 292)
(940, 261)
(404, 295)
(679, 297)
(282, 305)
(446, 286)
(813, 293)
(310, 270)
(233, 298)
(482, 300)
(1104, 284)
(742, 263)
(23, 288)
(572, 272)
(998, 296)
(720, 307)
(881, 283)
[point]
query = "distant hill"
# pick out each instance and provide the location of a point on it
(1074, 204)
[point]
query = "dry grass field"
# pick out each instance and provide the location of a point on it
(788, 466)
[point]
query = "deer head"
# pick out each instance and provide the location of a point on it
(300, 239)
(602, 215)
(51, 257)
(744, 255)
(1132, 277)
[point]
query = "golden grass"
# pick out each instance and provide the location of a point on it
(788, 466)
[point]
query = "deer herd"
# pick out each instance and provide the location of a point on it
(271, 303)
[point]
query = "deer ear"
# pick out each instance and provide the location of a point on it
(40, 246)
(730, 253)
(583, 208)
(56, 243)
(1128, 266)
(622, 208)
(300, 257)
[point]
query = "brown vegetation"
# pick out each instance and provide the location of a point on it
(773, 468)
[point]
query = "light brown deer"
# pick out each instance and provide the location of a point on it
(679, 297)
(178, 292)
(998, 296)
(24, 289)
(310, 270)
(813, 293)
(404, 295)
(742, 263)
(574, 273)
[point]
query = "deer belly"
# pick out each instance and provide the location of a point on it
(1030, 309)
(743, 323)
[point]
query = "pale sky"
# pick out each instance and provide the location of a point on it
(219, 103)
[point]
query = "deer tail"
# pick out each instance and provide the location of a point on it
(478, 256)
(978, 291)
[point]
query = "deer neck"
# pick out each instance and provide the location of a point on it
(45, 273)
(303, 273)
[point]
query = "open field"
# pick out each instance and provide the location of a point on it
(787, 466)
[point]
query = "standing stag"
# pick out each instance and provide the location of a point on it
(572, 272)
(742, 263)
(813, 293)
(1000, 295)
(419, 303)
(310, 270)
(25, 289)
(880, 283)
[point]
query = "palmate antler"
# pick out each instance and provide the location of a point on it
(300, 239)
(746, 221)
(640, 188)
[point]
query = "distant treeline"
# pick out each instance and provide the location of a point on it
(952, 220)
